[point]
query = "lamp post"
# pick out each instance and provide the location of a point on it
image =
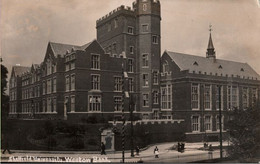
(220, 122)
(131, 105)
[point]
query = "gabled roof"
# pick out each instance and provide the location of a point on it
(61, 49)
(19, 70)
(212, 66)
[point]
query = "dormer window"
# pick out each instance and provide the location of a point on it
(195, 63)
(242, 70)
(220, 67)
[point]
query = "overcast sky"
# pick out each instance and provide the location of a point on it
(28, 25)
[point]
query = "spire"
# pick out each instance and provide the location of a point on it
(211, 49)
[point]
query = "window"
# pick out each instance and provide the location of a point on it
(95, 82)
(195, 96)
(118, 103)
(166, 97)
(116, 23)
(95, 60)
(207, 97)
(118, 83)
(208, 123)
(155, 97)
(43, 89)
(254, 97)
(195, 124)
(145, 28)
(165, 67)
(67, 67)
(155, 39)
(49, 65)
(38, 91)
(54, 104)
(130, 30)
(49, 105)
(217, 97)
(130, 65)
(94, 103)
(49, 86)
(217, 122)
(72, 103)
(72, 82)
(72, 65)
(232, 97)
(54, 68)
(144, 7)
(145, 60)
(114, 48)
(67, 83)
(54, 88)
(155, 77)
(245, 98)
(145, 80)
(131, 84)
(131, 49)
(145, 100)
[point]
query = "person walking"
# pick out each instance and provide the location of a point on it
(156, 152)
(103, 148)
(137, 150)
(5, 144)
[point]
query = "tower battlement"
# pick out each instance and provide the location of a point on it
(116, 11)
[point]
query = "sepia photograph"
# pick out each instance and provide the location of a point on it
(130, 81)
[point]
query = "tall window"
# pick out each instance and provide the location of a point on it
(48, 66)
(155, 77)
(67, 67)
(39, 91)
(49, 86)
(95, 82)
(116, 23)
(72, 83)
(54, 88)
(207, 97)
(195, 124)
(130, 65)
(131, 49)
(232, 97)
(118, 103)
(145, 100)
(109, 27)
(67, 83)
(54, 105)
(145, 80)
(72, 103)
(145, 28)
(94, 103)
(43, 88)
(155, 39)
(166, 97)
(195, 96)
(208, 123)
(155, 97)
(165, 67)
(131, 84)
(118, 83)
(217, 97)
(130, 30)
(254, 97)
(72, 65)
(145, 60)
(95, 61)
(217, 122)
(49, 105)
(245, 98)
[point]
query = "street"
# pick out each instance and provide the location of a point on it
(166, 155)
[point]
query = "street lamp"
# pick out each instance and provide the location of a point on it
(131, 105)
(220, 122)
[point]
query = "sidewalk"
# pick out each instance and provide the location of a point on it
(191, 149)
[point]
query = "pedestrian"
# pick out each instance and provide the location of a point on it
(103, 148)
(137, 150)
(156, 152)
(5, 144)
(210, 152)
(179, 147)
(182, 147)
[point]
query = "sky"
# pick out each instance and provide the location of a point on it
(26, 27)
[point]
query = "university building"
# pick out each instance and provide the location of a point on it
(125, 64)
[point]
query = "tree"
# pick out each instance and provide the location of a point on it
(4, 97)
(244, 126)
